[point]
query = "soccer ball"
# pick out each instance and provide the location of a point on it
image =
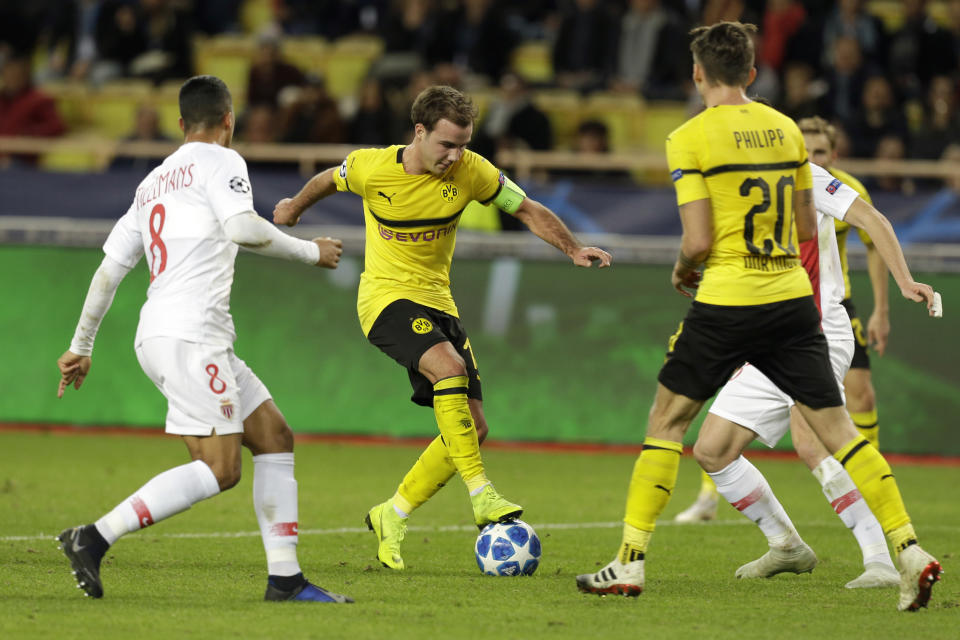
(509, 548)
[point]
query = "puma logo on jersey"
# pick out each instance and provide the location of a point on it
(389, 198)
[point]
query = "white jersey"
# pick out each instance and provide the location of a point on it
(177, 219)
(832, 199)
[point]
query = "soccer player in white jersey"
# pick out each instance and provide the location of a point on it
(188, 216)
(751, 407)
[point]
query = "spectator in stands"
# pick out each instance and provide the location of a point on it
(652, 53)
(69, 34)
(584, 52)
(799, 98)
(24, 109)
(404, 25)
(593, 137)
(331, 19)
(941, 122)
(920, 50)
(845, 81)
(258, 125)
(879, 115)
(313, 116)
(849, 19)
(168, 35)
(891, 147)
(953, 20)
(513, 121)
(146, 128)
(472, 34)
(217, 16)
(270, 73)
(781, 19)
(372, 124)
(119, 38)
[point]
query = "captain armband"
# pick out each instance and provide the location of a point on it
(509, 196)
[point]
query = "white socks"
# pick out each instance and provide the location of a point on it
(745, 488)
(846, 500)
(164, 495)
(275, 502)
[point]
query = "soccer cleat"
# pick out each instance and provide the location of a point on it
(616, 578)
(306, 592)
(876, 574)
(84, 557)
(700, 511)
(918, 571)
(389, 528)
(489, 506)
(801, 559)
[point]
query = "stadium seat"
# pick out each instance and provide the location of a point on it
(532, 61)
(623, 115)
(166, 100)
(307, 53)
(227, 56)
(348, 63)
(564, 109)
(113, 108)
(74, 159)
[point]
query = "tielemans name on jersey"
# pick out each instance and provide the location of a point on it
(173, 180)
(758, 138)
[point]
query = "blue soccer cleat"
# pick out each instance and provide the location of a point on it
(306, 592)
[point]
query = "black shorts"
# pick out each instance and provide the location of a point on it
(861, 360)
(404, 330)
(781, 339)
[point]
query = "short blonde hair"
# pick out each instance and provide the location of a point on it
(818, 125)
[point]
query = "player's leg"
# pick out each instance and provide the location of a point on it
(858, 385)
(849, 505)
(705, 506)
(199, 385)
(651, 484)
(446, 369)
(270, 440)
(751, 407)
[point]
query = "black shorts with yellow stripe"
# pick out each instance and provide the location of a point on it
(781, 339)
(405, 330)
(861, 359)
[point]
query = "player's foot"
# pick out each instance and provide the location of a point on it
(705, 508)
(615, 578)
(305, 591)
(918, 571)
(798, 560)
(84, 548)
(489, 506)
(389, 528)
(875, 574)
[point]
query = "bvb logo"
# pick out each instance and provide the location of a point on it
(422, 326)
(449, 191)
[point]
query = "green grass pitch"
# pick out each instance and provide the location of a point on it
(202, 573)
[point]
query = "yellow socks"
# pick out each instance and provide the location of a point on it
(868, 426)
(708, 488)
(873, 477)
(457, 429)
(429, 473)
(653, 480)
(634, 545)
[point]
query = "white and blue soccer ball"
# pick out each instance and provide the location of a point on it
(509, 548)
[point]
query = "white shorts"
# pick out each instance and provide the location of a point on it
(750, 400)
(208, 388)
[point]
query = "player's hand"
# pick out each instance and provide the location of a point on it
(73, 370)
(286, 213)
(686, 284)
(584, 257)
(919, 292)
(878, 331)
(330, 251)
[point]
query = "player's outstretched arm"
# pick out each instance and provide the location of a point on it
(696, 218)
(863, 216)
(252, 232)
(878, 326)
(546, 225)
(74, 364)
(289, 210)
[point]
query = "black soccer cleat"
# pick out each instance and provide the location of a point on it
(302, 591)
(84, 548)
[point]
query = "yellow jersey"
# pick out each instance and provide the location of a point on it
(843, 228)
(747, 160)
(411, 225)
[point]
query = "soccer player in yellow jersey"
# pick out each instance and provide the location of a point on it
(744, 190)
(820, 138)
(413, 197)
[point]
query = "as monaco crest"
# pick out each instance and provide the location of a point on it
(226, 408)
